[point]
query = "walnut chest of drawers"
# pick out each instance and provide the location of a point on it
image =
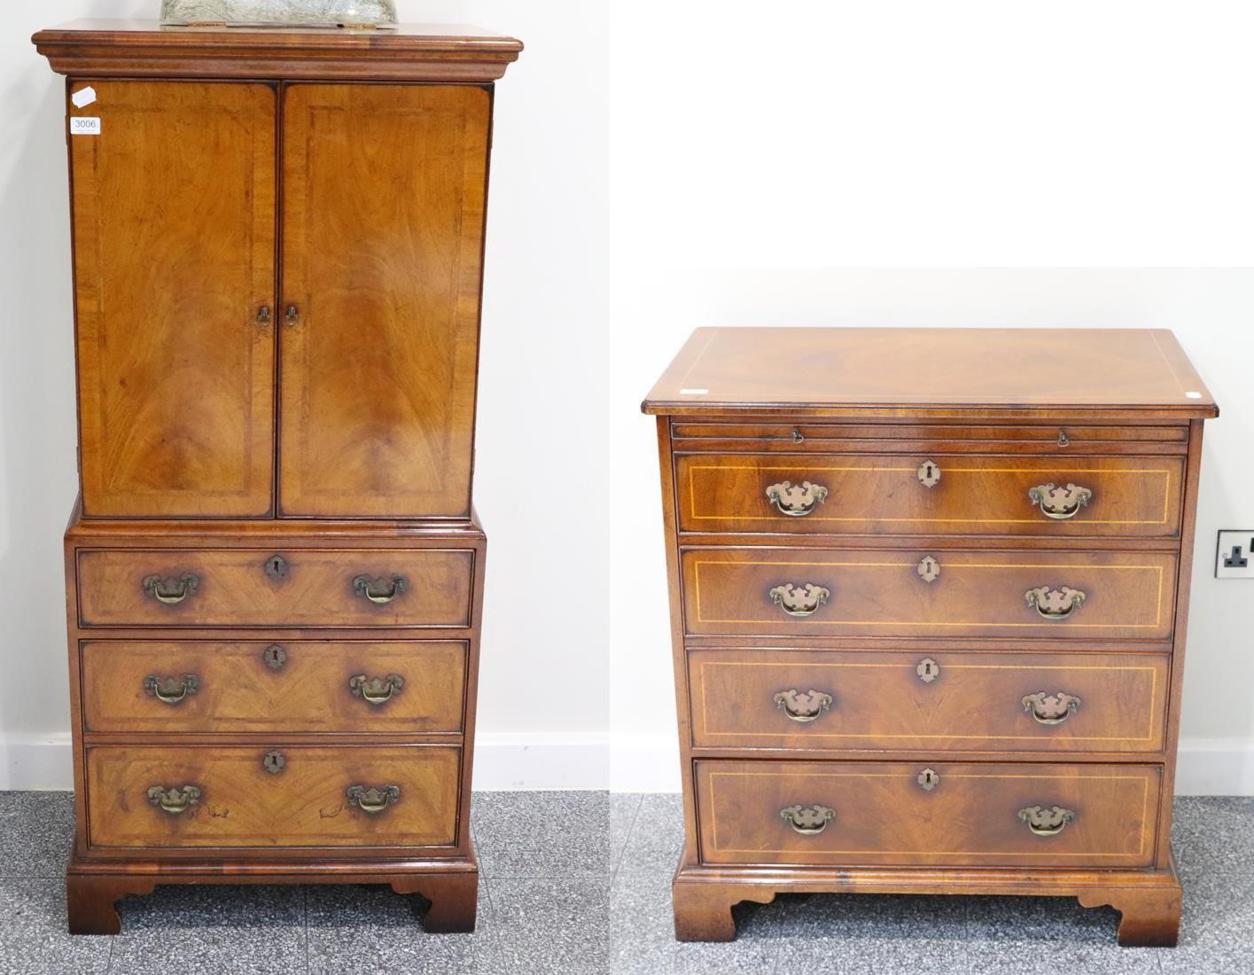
(929, 590)
(275, 572)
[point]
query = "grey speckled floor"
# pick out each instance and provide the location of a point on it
(579, 883)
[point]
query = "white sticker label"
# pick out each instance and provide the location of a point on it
(692, 391)
(83, 97)
(84, 125)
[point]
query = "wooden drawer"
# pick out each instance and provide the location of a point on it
(762, 591)
(262, 687)
(241, 804)
(239, 587)
(804, 435)
(1081, 702)
(974, 814)
(974, 495)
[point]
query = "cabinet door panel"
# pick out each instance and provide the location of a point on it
(384, 190)
(174, 222)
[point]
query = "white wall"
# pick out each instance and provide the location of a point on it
(542, 718)
(754, 151)
(1212, 313)
(762, 155)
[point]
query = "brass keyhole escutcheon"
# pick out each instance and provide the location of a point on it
(929, 473)
(928, 780)
(274, 762)
(276, 567)
(928, 569)
(1063, 439)
(928, 670)
(274, 656)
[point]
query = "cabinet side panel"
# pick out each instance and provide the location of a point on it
(1187, 537)
(384, 194)
(173, 206)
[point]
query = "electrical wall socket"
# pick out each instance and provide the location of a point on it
(1234, 556)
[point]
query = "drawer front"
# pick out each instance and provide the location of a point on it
(262, 687)
(930, 494)
(243, 587)
(214, 796)
(807, 700)
(839, 593)
(855, 813)
(817, 436)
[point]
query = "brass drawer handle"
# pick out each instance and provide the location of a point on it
(1046, 822)
(376, 690)
(1055, 603)
(796, 500)
(803, 708)
(176, 800)
(171, 591)
(379, 591)
(808, 820)
(373, 800)
(1059, 503)
(1051, 708)
(171, 690)
(803, 600)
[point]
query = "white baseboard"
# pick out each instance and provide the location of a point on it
(635, 763)
(36, 762)
(644, 763)
(528, 762)
(503, 762)
(1215, 767)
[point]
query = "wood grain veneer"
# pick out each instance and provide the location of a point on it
(1128, 496)
(969, 818)
(233, 588)
(274, 573)
(173, 262)
(975, 703)
(239, 690)
(242, 804)
(816, 632)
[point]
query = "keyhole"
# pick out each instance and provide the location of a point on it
(274, 762)
(929, 473)
(276, 567)
(928, 670)
(274, 656)
(928, 780)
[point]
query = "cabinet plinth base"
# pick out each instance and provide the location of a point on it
(1148, 900)
(450, 887)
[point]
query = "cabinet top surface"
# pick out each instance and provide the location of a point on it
(145, 48)
(149, 31)
(915, 370)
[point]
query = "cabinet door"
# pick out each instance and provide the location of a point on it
(174, 223)
(383, 206)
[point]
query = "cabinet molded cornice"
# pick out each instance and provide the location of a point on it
(414, 52)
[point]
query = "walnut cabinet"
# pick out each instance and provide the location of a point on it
(929, 590)
(274, 572)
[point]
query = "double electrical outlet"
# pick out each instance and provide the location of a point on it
(1234, 556)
